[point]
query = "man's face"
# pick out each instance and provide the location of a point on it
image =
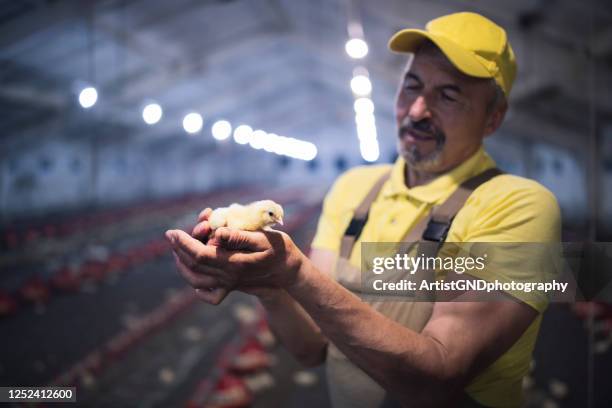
(441, 113)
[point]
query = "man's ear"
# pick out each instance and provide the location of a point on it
(496, 118)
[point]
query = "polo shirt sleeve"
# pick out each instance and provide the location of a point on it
(520, 222)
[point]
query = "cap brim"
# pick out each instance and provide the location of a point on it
(465, 61)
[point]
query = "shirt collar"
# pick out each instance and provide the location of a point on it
(442, 186)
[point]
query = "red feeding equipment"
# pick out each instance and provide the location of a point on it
(264, 334)
(11, 239)
(66, 280)
(117, 263)
(94, 362)
(50, 230)
(35, 290)
(94, 271)
(119, 344)
(31, 235)
(251, 357)
(137, 255)
(158, 247)
(230, 392)
(582, 309)
(107, 218)
(8, 304)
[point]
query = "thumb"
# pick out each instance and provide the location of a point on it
(204, 214)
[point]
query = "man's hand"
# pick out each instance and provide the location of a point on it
(215, 295)
(204, 286)
(234, 259)
(202, 230)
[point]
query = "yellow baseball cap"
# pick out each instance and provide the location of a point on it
(474, 44)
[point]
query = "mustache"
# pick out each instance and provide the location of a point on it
(421, 126)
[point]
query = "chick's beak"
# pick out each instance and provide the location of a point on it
(280, 220)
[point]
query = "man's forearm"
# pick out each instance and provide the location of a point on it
(295, 329)
(401, 360)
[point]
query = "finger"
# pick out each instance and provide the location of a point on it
(234, 239)
(197, 252)
(194, 279)
(201, 231)
(212, 296)
(204, 214)
(196, 267)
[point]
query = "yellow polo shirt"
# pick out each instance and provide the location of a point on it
(508, 208)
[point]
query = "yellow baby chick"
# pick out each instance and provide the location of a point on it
(255, 216)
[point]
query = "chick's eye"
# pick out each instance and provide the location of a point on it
(270, 213)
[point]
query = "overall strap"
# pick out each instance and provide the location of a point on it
(360, 217)
(434, 227)
(430, 233)
(441, 217)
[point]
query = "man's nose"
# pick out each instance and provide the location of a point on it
(419, 109)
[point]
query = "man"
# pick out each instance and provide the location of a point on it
(452, 95)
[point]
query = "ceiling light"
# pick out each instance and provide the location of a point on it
(152, 113)
(242, 134)
(361, 85)
(356, 48)
(221, 130)
(192, 122)
(88, 97)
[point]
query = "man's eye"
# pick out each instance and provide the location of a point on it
(411, 87)
(447, 97)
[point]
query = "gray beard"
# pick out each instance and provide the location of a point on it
(420, 162)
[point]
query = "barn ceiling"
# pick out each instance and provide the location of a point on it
(275, 64)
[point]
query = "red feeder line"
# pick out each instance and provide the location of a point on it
(35, 290)
(122, 342)
(8, 304)
(206, 388)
